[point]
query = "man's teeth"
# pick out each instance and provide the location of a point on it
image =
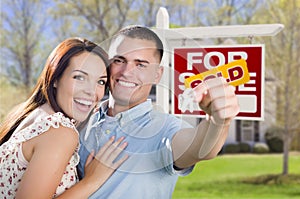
(84, 102)
(127, 84)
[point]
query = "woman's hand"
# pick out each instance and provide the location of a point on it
(100, 167)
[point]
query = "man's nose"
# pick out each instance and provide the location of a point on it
(129, 66)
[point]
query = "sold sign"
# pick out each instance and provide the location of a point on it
(241, 65)
(235, 73)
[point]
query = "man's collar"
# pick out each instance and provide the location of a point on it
(128, 115)
(103, 110)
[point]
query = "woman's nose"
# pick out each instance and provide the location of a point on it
(90, 89)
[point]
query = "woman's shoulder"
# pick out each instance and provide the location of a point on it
(56, 123)
(62, 132)
(58, 119)
(56, 133)
(41, 123)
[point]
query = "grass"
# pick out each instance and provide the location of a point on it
(241, 177)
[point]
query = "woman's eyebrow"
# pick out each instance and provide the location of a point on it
(103, 76)
(80, 71)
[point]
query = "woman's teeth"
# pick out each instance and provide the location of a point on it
(84, 102)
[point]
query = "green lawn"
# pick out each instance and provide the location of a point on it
(222, 178)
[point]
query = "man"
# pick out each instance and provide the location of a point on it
(160, 146)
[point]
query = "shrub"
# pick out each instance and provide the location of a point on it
(275, 145)
(232, 148)
(245, 147)
(260, 148)
(274, 139)
(274, 132)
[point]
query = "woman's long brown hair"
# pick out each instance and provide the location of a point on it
(44, 90)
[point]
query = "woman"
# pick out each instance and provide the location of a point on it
(39, 141)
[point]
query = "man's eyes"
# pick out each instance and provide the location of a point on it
(141, 65)
(121, 61)
(118, 61)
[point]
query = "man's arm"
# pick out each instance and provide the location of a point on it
(219, 101)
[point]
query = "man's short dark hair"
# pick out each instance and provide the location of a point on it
(141, 32)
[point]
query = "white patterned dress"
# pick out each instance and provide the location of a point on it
(13, 164)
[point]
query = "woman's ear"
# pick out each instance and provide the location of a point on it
(55, 84)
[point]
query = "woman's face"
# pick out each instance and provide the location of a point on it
(82, 85)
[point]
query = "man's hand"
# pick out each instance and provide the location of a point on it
(218, 100)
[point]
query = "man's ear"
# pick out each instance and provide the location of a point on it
(159, 74)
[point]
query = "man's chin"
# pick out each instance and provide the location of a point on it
(119, 100)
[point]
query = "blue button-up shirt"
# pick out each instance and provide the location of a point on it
(149, 172)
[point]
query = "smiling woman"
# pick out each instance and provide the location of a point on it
(39, 139)
(82, 85)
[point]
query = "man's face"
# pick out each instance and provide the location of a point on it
(134, 69)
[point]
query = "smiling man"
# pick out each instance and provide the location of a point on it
(134, 69)
(161, 147)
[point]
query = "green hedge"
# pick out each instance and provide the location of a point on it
(231, 148)
(261, 148)
(245, 147)
(237, 148)
(274, 139)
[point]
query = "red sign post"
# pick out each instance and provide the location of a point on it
(188, 62)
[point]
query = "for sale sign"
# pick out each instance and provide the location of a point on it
(241, 66)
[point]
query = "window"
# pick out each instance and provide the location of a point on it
(247, 131)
